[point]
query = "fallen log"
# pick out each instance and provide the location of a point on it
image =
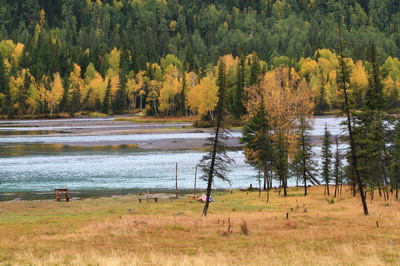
(313, 178)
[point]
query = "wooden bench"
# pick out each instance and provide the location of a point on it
(62, 193)
(147, 199)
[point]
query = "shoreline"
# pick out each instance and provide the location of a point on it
(96, 194)
(166, 193)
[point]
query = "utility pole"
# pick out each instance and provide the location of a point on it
(195, 180)
(176, 180)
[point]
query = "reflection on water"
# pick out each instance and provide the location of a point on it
(56, 149)
(27, 132)
(54, 120)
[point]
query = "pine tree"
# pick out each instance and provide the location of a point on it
(374, 95)
(120, 102)
(23, 94)
(182, 95)
(31, 12)
(281, 161)
(343, 80)
(370, 135)
(125, 66)
(326, 154)
(255, 70)
(215, 163)
(338, 168)
(106, 104)
(3, 86)
(258, 144)
(395, 159)
(322, 104)
(369, 129)
(238, 94)
(64, 100)
(3, 77)
(304, 156)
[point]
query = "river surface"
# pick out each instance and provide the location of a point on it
(48, 158)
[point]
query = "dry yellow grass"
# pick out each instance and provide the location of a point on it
(120, 231)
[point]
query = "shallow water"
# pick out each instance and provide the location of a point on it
(333, 124)
(43, 162)
(105, 138)
(129, 168)
(60, 128)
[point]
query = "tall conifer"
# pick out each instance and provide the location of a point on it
(326, 154)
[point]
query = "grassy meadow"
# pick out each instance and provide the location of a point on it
(241, 228)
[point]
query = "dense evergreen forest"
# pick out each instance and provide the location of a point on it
(112, 56)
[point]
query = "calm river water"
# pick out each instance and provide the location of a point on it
(41, 162)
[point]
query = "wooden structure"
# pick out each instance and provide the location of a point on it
(193, 196)
(62, 192)
(176, 181)
(147, 199)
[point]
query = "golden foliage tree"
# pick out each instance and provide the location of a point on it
(171, 87)
(54, 96)
(203, 98)
(287, 98)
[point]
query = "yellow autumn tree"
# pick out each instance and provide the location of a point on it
(359, 81)
(392, 91)
(171, 87)
(203, 98)
(286, 100)
(286, 97)
(113, 59)
(115, 84)
(391, 83)
(321, 76)
(24, 94)
(6, 48)
(75, 88)
(134, 89)
(56, 93)
(308, 68)
(154, 87)
(231, 69)
(39, 96)
(191, 82)
(95, 87)
(14, 84)
(17, 53)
